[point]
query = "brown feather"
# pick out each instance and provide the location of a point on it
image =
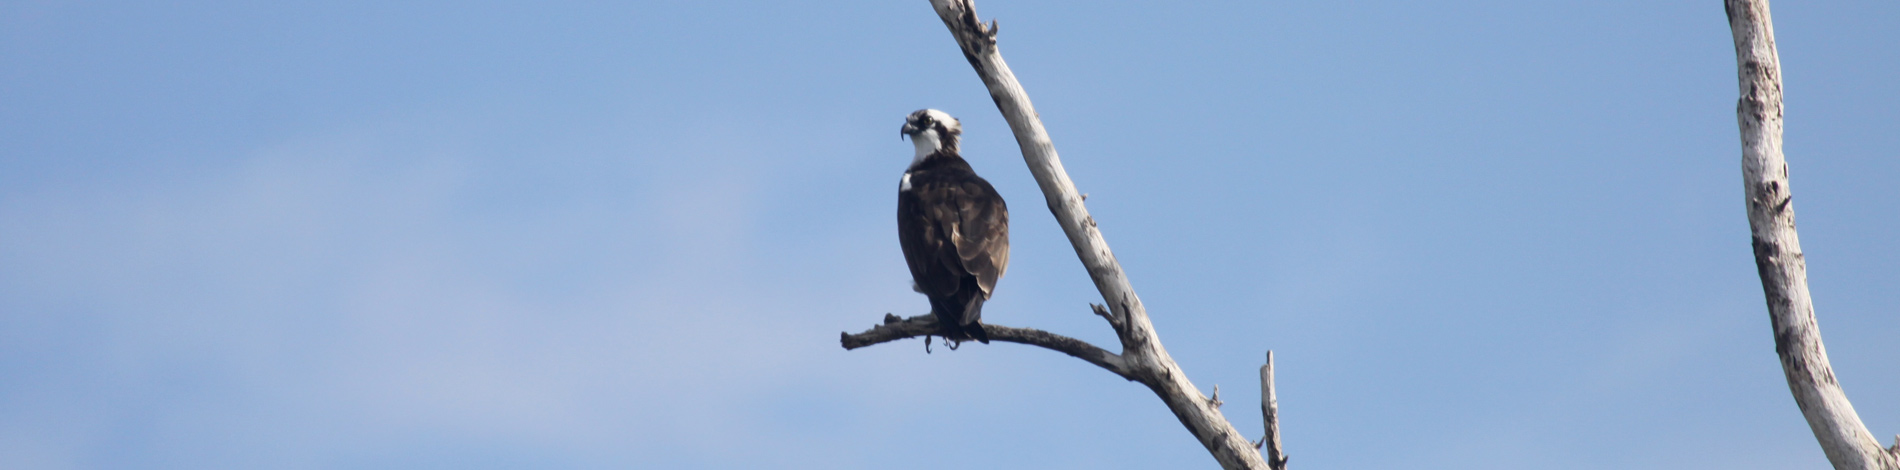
(954, 229)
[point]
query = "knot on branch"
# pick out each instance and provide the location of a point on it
(1273, 463)
(893, 328)
(975, 38)
(971, 32)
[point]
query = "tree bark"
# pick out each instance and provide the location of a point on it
(1142, 359)
(1148, 362)
(895, 329)
(1270, 417)
(1778, 257)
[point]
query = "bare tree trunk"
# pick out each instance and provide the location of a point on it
(1778, 257)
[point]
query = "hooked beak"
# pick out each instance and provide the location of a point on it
(908, 130)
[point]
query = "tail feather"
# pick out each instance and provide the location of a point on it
(972, 320)
(950, 323)
(960, 318)
(975, 330)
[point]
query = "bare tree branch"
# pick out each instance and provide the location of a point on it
(1148, 362)
(1778, 258)
(1270, 416)
(1143, 359)
(895, 329)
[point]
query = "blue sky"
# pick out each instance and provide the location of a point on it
(474, 235)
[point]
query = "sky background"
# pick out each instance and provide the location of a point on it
(489, 235)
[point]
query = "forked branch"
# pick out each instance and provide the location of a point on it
(1146, 360)
(1143, 359)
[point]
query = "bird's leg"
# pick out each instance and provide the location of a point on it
(926, 344)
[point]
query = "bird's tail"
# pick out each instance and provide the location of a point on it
(961, 321)
(973, 319)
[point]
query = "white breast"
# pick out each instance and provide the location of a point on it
(904, 185)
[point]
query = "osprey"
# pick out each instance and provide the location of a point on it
(953, 226)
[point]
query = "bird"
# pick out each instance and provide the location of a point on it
(953, 226)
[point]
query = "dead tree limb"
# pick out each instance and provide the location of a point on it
(895, 329)
(1146, 360)
(1778, 258)
(1142, 359)
(1270, 417)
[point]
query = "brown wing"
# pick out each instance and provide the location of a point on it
(951, 229)
(954, 228)
(982, 232)
(924, 244)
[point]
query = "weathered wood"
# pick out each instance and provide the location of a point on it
(1778, 258)
(1147, 361)
(1143, 359)
(1270, 416)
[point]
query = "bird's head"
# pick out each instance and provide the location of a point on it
(932, 130)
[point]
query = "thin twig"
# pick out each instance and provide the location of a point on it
(1113, 321)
